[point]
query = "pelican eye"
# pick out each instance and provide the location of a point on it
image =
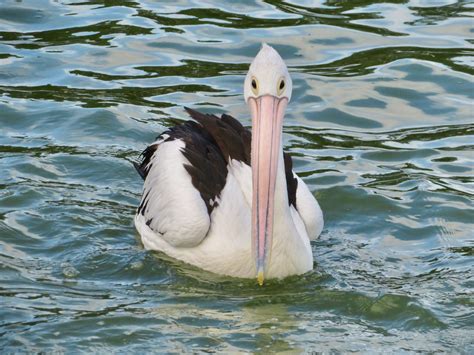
(281, 86)
(254, 85)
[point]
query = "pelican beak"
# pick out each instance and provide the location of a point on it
(267, 122)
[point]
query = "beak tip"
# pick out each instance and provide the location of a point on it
(260, 278)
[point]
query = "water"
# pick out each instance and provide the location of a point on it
(381, 127)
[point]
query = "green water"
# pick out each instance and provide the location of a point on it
(381, 128)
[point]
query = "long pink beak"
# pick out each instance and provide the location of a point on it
(267, 122)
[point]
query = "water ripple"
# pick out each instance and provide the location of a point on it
(380, 127)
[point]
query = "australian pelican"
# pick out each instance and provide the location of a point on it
(226, 200)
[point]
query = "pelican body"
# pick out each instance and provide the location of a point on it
(226, 200)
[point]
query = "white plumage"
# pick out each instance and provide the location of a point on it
(221, 243)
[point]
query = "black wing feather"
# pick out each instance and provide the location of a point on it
(143, 167)
(233, 139)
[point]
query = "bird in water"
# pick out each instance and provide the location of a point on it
(225, 199)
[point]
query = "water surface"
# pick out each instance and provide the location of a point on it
(381, 128)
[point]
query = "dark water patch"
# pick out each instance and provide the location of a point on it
(416, 99)
(466, 251)
(422, 73)
(432, 15)
(7, 55)
(101, 98)
(398, 156)
(221, 18)
(346, 119)
(189, 68)
(367, 103)
(333, 41)
(365, 62)
(22, 15)
(99, 34)
(215, 51)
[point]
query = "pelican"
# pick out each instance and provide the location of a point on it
(224, 199)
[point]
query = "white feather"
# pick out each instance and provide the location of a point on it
(309, 210)
(175, 207)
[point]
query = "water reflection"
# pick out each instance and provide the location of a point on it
(380, 127)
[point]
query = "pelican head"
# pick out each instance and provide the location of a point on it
(267, 91)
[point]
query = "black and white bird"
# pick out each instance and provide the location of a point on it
(226, 200)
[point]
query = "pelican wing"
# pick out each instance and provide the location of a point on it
(184, 173)
(303, 200)
(309, 210)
